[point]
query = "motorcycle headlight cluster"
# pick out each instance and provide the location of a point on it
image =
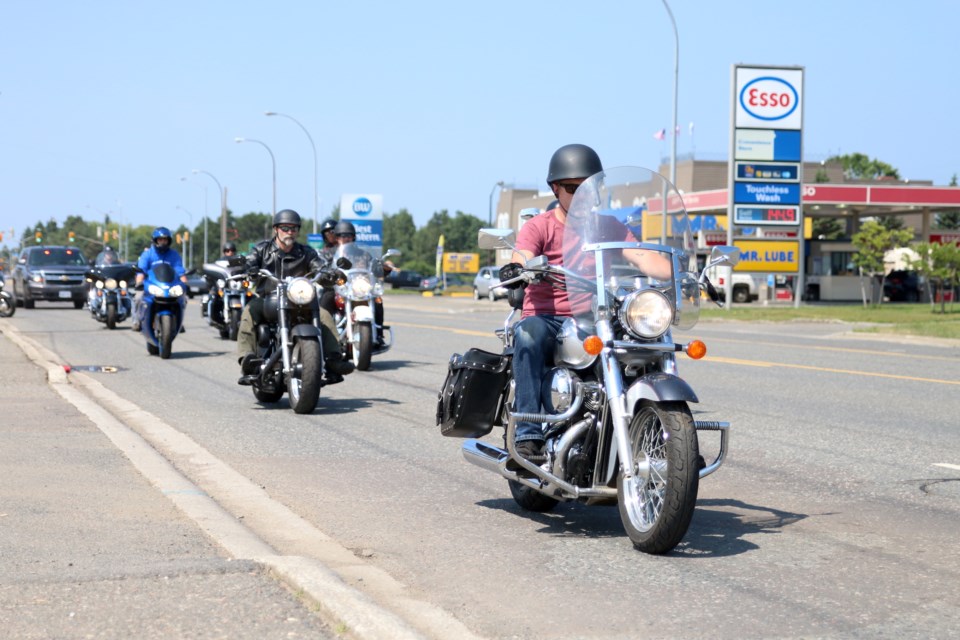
(646, 314)
(154, 290)
(110, 284)
(361, 285)
(301, 291)
(176, 291)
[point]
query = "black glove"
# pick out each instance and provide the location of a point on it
(509, 272)
(329, 277)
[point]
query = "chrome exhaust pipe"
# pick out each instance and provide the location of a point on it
(484, 455)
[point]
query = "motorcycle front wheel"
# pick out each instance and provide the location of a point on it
(657, 502)
(304, 388)
(111, 316)
(166, 337)
(7, 305)
(361, 354)
(234, 324)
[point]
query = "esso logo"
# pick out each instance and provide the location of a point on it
(362, 207)
(769, 98)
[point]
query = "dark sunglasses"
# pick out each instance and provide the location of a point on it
(230, 251)
(288, 228)
(346, 235)
(569, 188)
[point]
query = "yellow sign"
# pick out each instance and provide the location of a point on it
(461, 262)
(768, 256)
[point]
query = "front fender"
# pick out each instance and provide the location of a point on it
(659, 387)
(305, 331)
(363, 313)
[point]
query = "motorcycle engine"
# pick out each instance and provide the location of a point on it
(560, 387)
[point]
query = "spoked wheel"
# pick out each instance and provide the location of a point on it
(166, 336)
(361, 355)
(657, 502)
(111, 316)
(304, 389)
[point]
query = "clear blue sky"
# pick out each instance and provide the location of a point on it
(105, 105)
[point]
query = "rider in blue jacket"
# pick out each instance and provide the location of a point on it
(159, 251)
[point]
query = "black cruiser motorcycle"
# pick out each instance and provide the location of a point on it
(617, 417)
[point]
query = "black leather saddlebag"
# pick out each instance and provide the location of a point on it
(472, 393)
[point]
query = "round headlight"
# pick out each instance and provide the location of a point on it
(300, 291)
(111, 284)
(360, 285)
(176, 291)
(99, 284)
(646, 314)
(154, 290)
(221, 282)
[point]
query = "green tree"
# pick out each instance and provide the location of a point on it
(828, 229)
(399, 231)
(872, 243)
(858, 166)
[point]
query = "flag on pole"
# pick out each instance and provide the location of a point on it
(660, 135)
(676, 131)
(691, 128)
(439, 253)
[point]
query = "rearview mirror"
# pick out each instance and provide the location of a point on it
(724, 255)
(490, 238)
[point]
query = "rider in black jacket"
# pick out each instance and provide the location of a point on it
(283, 256)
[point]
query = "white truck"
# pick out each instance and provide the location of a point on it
(746, 286)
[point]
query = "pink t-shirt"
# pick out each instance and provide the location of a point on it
(543, 236)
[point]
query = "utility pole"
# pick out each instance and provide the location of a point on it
(223, 222)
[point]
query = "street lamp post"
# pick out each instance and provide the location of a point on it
(316, 198)
(490, 203)
(204, 187)
(223, 212)
(273, 161)
(673, 144)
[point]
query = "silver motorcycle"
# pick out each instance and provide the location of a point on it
(616, 415)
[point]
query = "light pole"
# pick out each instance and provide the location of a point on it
(673, 144)
(205, 216)
(189, 237)
(223, 211)
(272, 160)
(490, 204)
(316, 199)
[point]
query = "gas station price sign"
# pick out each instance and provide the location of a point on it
(753, 215)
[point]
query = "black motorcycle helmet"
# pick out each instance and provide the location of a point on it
(229, 246)
(328, 225)
(286, 216)
(345, 228)
(573, 161)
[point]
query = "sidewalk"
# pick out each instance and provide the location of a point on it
(89, 549)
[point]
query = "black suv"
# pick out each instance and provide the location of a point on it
(55, 274)
(902, 286)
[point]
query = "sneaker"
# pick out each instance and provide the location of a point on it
(531, 450)
(339, 367)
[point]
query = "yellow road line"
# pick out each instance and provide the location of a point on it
(873, 352)
(758, 363)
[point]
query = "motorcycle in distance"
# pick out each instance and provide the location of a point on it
(164, 303)
(616, 418)
(360, 336)
(289, 347)
(229, 291)
(109, 298)
(8, 304)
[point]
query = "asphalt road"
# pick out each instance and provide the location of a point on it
(835, 515)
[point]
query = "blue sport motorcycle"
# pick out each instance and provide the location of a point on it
(161, 312)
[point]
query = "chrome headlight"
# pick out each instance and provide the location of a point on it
(175, 291)
(154, 290)
(646, 314)
(99, 284)
(123, 284)
(221, 283)
(110, 284)
(301, 291)
(360, 285)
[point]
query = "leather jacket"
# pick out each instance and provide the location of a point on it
(301, 260)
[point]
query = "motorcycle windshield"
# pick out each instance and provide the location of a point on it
(163, 272)
(627, 229)
(359, 257)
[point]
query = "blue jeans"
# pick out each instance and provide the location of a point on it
(534, 339)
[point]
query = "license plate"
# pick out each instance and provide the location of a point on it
(65, 294)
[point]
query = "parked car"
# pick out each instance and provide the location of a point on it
(404, 279)
(486, 284)
(902, 286)
(54, 274)
(196, 284)
(429, 283)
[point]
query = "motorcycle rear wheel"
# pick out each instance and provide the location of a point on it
(530, 499)
(304, 390)
(656, 511)
(8, 306)
(111, 316)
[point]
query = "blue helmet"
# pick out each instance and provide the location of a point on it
(162, 232)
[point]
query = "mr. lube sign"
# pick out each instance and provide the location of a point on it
(765, 169)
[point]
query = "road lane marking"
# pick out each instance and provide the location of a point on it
(805, 367)
(871, 352)
(947, 465)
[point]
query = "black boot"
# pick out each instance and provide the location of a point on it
(336, 365)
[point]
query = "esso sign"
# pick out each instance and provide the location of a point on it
(362, 207)
(769, 98)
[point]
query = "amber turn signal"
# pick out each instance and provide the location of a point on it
(593, 345)
(696, 349)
